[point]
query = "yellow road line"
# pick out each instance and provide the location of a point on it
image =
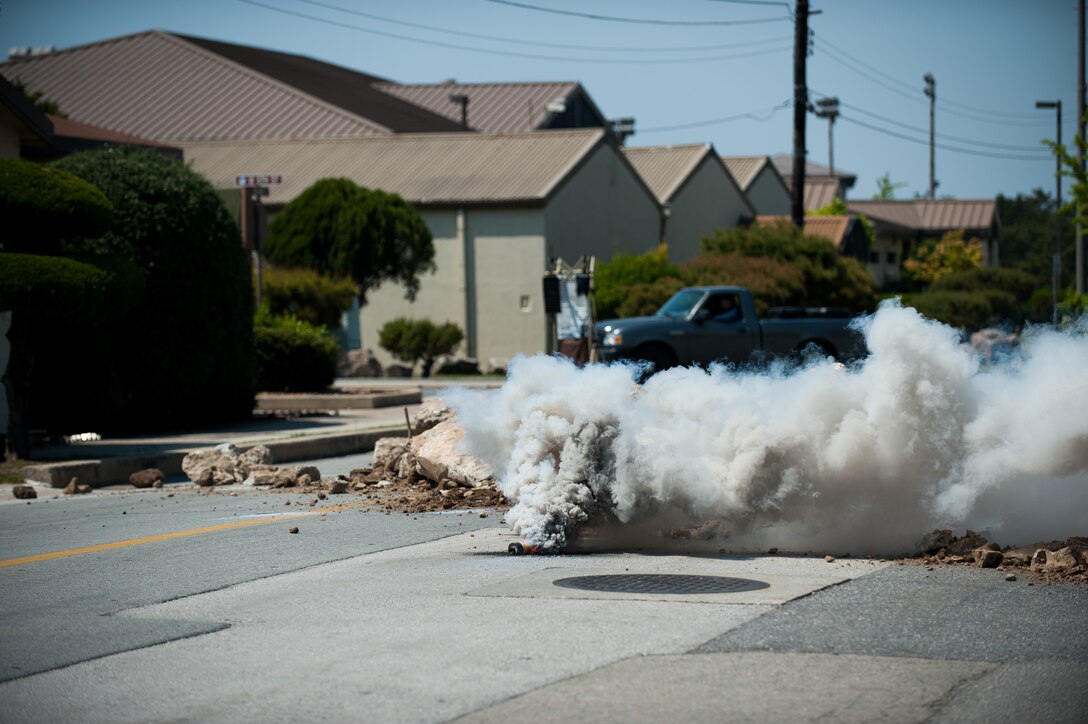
(168, 536)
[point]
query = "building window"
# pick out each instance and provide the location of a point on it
(525, 304)
(874, 257)
(891, 257)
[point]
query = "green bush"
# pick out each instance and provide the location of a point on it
(969, 311)
(612, 280)
(772, 283)
(830, 279)
(42, 206)
(412, 340)
(641, 299)
(75, 291)
(186, 353)
(292, 354)
(307, 295)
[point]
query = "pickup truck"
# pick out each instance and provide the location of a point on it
(690, 330)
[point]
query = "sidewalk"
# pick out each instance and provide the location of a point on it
(315, 435)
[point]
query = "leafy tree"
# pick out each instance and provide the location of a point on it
(829, 278)
(932, 260)
(410, 340)
(344, 230)
(838, 207)
(185, 356)
(307, 295)
(614, 279)
(1027, 236)
(885, 188)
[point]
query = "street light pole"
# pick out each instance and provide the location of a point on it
(829, 108)
(1057, 261)
(931, 93)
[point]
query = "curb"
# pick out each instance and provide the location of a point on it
(115, 470)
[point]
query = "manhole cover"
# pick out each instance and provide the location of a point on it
(661, 583)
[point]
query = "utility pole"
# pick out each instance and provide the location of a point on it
(1056, 270)
(829, 108)
(800, 109)
(1080, 150)
(931, 93)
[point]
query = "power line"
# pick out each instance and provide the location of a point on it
(911, 86)
(914, 97)
(943, 146)
(544, 44)
(958, 139)
(768, 113)
(639, 21)
(514, 54)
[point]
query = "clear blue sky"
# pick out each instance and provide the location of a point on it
(717, 71)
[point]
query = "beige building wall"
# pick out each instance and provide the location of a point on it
(509, 264)
(707, 201)
(602, 209)
(488, 282)
(768, 195)
(886, 259)
(441, 296)
(9, 135)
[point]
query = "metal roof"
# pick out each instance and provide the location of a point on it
(425, 169)
(833, 228)
(666, 168)
(342, 87)
(939, 215)
(492, 107)
(166, 88)
(745, 169)
(784, 163)
(819, 193)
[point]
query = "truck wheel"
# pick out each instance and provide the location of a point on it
(659, 358)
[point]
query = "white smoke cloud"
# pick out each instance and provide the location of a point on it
(863, 460)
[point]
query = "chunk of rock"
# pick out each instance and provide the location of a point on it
(75, 487)
(24, 492)
(221, 457)
(262, 475)
(1053, 561)
(987, 558)
(146, 478)
(358, 363)
(335, 486)
(437, 457)
(430, 413)
(388, 451)
(254, 456)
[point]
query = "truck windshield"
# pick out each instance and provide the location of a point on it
(681, 304)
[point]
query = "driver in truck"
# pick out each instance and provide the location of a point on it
(722, 308)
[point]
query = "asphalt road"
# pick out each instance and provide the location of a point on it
(212, 611)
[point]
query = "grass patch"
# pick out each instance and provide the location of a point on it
(11, 472)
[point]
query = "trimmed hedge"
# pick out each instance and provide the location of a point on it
(76, 291)
(293, 355)
(969, 311)
(307, 295)
(41, 206)
(411, 340)
(186, 354)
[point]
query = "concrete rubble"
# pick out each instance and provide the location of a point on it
(421, 472)
(1051, 561)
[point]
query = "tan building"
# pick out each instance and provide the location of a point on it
(760, 181)
(696, 193)
(500, 207)
(899, 225)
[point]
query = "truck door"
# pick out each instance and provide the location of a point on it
(718, 330)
